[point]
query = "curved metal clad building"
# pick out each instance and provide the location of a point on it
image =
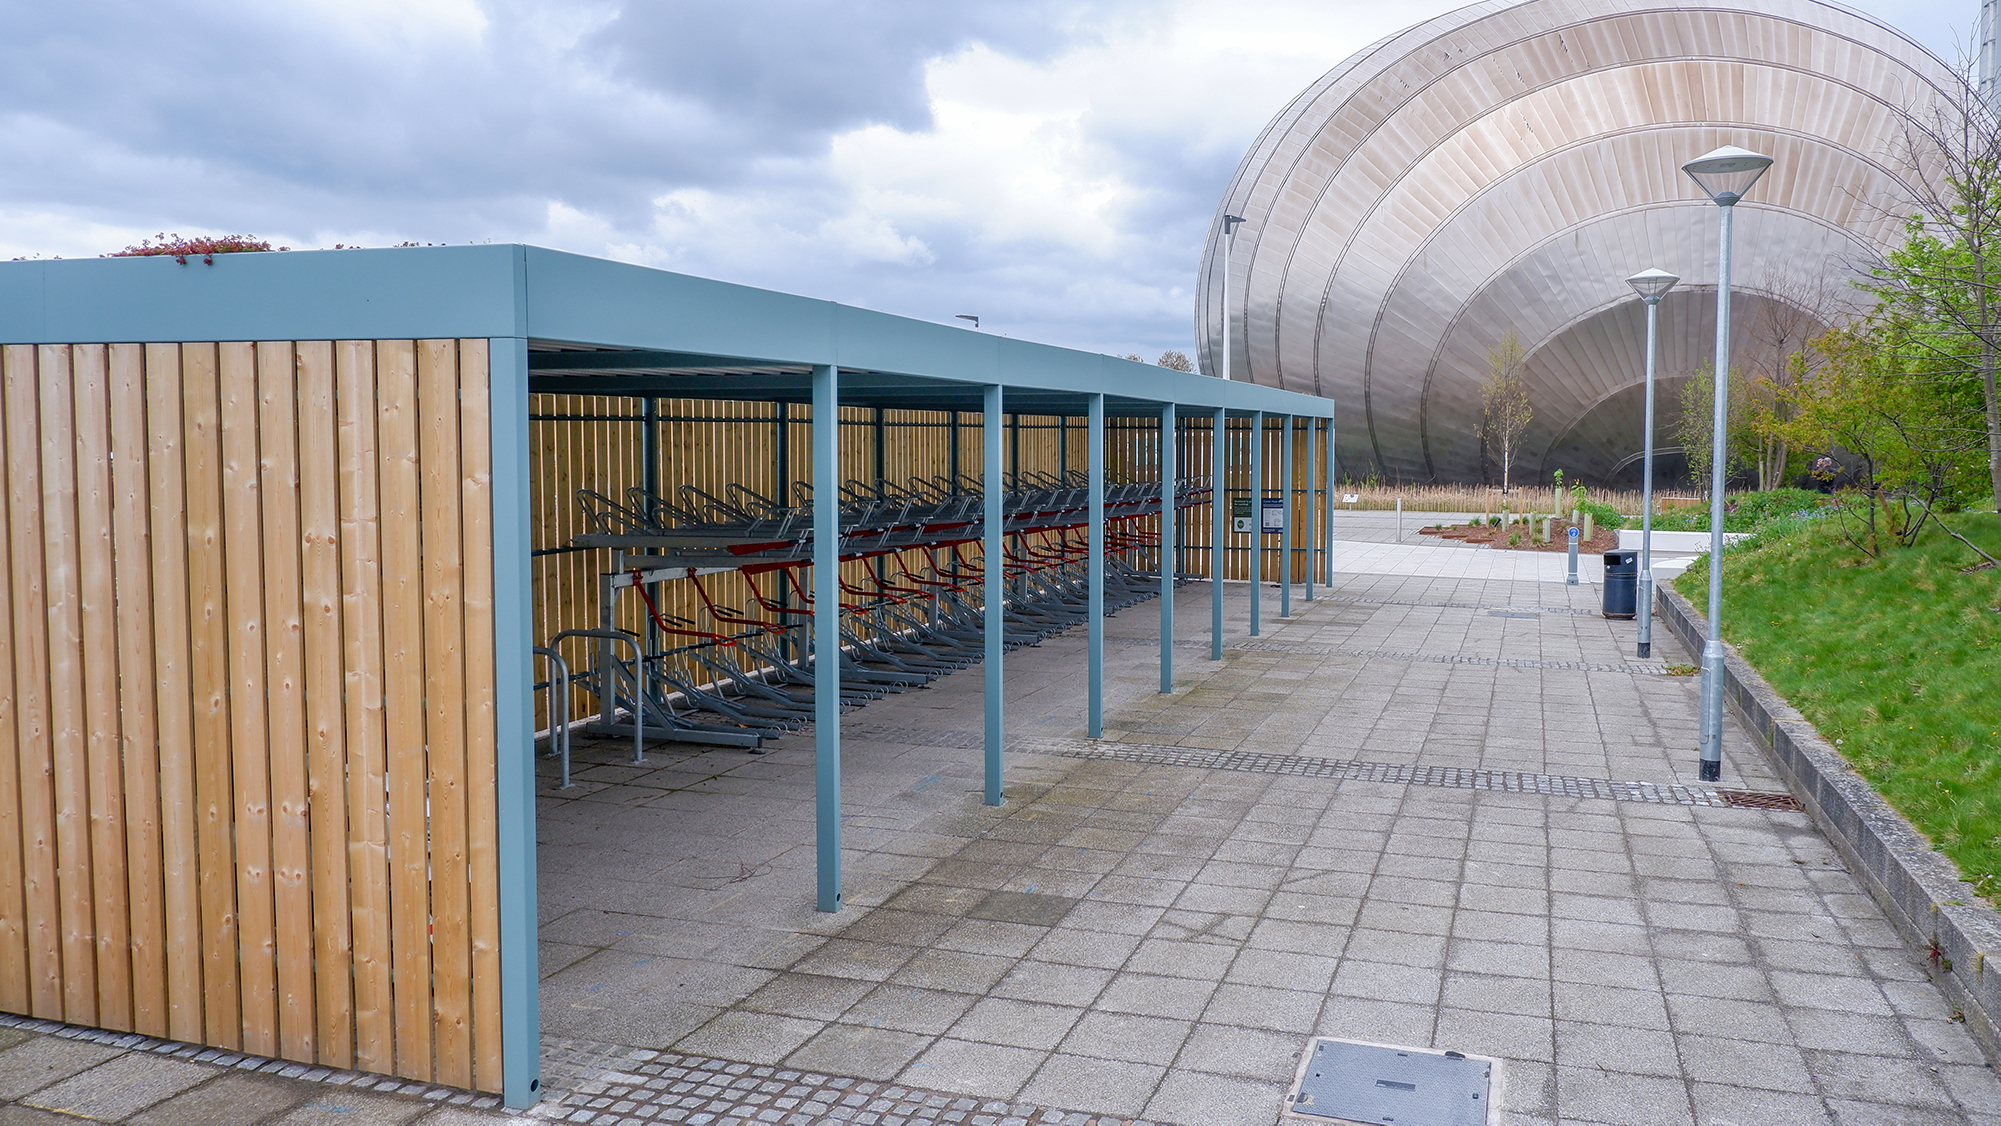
(1504, 167)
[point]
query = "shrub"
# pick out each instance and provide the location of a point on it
(182, 248)
(1748, 512)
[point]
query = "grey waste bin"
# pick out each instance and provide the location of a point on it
(1622, 581)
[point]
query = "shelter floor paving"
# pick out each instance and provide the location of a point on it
(1441, 806)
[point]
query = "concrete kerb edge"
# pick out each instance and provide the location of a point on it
(1920, 890)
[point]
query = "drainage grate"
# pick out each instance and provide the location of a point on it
(1749, 799)
(1349, 1082)
(1511, 614)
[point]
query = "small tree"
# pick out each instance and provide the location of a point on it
(1780, 336)
(1504, 403)
(1694, 427)
(1174, 360)
(1947, 276)
(1886, 396)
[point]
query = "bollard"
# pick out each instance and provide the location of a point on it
(1399, 519)
(1571, 578)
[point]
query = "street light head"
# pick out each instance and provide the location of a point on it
(1230, 224)
(967, 317)
(1726, 174)
(1652, 283)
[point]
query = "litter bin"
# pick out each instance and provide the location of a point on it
(1622, 581)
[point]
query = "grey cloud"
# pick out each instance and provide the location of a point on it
(803, 68)
(248, 116)
(196, 95)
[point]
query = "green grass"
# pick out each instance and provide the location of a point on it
(1895, 659)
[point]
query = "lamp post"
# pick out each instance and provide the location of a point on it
(1724, 176)
(1651, 284)
(1229, 237)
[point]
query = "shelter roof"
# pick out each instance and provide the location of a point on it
(592, 326)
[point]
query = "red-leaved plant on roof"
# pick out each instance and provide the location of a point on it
(180, 248)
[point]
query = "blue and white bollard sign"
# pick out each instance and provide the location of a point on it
(1571, 579)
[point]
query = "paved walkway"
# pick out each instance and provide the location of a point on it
(1441, 807)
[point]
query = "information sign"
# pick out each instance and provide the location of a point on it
(1274, 515)
(1240, 514)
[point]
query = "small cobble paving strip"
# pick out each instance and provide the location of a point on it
(598, 1084)
(1442, 658)
(651, 1087)
(1306, 766)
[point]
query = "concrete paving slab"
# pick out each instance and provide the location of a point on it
(230, 1098)
(120, 1087)
(39, 1062)
(1440, 806)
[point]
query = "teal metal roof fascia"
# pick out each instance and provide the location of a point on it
(518, 291)
(388, 294)
(578, 299)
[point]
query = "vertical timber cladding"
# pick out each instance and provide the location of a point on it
(247, 775)
(596, 442)
(1133, 454)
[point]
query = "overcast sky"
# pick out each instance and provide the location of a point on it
(1050, 165)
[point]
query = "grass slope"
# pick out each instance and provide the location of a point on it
(1896, 659)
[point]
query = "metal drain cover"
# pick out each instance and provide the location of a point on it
(1379, 1085)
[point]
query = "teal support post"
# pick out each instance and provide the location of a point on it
(1095, 570)
(827, 631)
(1285, 490)
(514, 704)
(1257, 491)
(1167, 554)
(1309, 511)
(1219, 504)
(1327, 555)
(995, 603)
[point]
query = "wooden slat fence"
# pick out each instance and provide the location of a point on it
(247, 736)
(598, 443)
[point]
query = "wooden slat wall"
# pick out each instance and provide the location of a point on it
(247, 734)
(1133, 453)
(710, 445)
(597, 443)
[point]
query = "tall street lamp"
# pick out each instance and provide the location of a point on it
(1651, 284)
(1229, 237)
(1724, 175)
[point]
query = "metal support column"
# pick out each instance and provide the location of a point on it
(1312, 471)
(1285, 490)
(1094, 724)
(995, 604)
(1257, 491)
(827, 630)
(649, 475)
(781, 434)
(1167, 552)
(514, 716)
(1709, 767)
(1219, 503)
(1327, 560)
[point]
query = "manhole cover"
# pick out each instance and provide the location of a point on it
(1754, 799)
(1378, 1085)
(1023, 907)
